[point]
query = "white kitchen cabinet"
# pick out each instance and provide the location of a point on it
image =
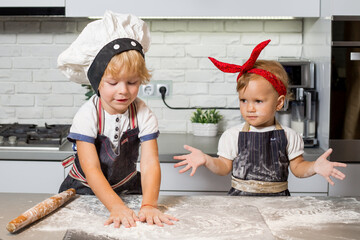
(350, 186)
(32, 3)
(345, 7)
(197, 9)
(30, 176)
(205, 182)
(312, 186)
(46, 177)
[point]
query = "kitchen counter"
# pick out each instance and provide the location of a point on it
(46, 173)
(170, 144)
(201, 217)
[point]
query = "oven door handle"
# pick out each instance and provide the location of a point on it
(308, 104)
(354, 56)
(307, 114)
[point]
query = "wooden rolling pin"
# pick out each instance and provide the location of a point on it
(40, 210)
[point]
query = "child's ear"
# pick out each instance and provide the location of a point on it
(280, 102)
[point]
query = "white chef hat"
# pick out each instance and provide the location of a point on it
(87, 57)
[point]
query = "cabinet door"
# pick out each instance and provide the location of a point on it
(345, 7)
(198, 8)
(202, 181)
(32, 3)
(205, 181)
(314, 184)
(30, 176)
(350, 185)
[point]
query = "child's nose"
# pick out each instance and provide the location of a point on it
(251, 107)
(122, 88)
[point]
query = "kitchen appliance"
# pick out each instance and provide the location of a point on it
(344, 129)
(303, 112)
(299, 113)
(32, 137)
(300, 72)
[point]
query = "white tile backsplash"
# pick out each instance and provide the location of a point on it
(21, 26)
(241, 26)
(33, 90)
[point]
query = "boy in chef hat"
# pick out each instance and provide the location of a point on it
(109, 128)
(259, 151)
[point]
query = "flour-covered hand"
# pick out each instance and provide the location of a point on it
(327, 169)
(152, 215)
(122, 215)
(192, 160)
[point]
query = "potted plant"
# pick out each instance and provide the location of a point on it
(90, 91)
(205, 122)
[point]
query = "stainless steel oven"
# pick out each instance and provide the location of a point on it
(345, 89)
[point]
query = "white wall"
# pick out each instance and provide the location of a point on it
(32, 90)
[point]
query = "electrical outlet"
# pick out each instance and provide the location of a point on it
(148, 89)
(159, 85)
(151, 90)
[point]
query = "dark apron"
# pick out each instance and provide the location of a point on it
(118, 167)
(262, 159)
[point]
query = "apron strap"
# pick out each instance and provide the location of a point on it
(132, 116)
(246, 127)
(254, 186)
(74, 173)
(100, 116)
(125, 180)
(68, 161)
(277, 125)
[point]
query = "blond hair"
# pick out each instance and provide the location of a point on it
(129, 62)
(273, 67)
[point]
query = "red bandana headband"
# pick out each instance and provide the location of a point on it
(248, 68)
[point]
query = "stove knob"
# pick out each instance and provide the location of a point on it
(12, 140)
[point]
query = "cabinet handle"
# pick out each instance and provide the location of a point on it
(354, 56)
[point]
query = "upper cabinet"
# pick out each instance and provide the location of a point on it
(345, 7)
(32, 3)
(32, 8)
(195, 8)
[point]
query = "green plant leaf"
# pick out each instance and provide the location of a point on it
(90, 91)
(207, 116)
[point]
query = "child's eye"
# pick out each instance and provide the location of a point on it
(132, 83)
(258, 101)
(243, 100)
(112, 83)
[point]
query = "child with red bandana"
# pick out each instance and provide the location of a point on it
(260, 151)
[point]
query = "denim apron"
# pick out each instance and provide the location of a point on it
(261, 167)
(118, 167)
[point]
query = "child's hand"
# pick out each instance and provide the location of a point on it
(152, 215)
(326, 168)
(122, 215)
(193, 160)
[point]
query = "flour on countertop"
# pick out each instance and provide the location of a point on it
(211, 217)
(197, 221)
(309, 216)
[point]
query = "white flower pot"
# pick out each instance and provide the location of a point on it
(205, 129)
